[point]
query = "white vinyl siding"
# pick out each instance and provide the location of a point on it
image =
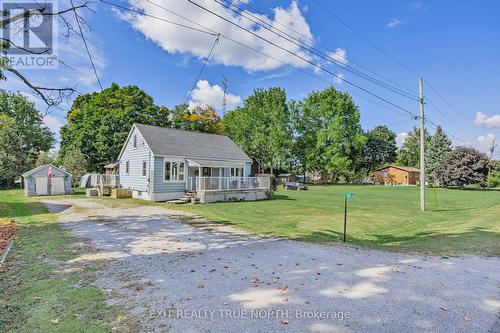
(135, 157)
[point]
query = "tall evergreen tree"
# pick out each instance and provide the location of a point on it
(439, 144)
(409, 153)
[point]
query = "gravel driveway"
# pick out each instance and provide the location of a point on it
(170, 276)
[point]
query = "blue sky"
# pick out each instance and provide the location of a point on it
(453, 45)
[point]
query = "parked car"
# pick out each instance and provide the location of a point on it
(295, 186)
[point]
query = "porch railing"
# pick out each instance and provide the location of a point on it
(206, 184)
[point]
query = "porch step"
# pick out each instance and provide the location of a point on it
(186, 198)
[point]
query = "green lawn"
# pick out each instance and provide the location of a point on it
(39, 290)
(465, 221)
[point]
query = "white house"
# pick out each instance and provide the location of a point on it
(161, 164)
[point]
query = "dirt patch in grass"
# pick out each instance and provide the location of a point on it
(8, 231)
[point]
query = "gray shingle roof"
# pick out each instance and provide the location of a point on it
(169, 141)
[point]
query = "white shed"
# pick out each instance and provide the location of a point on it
(47, 180)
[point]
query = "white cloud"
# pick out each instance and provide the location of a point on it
(339, 78)
(486, 139)
(339, 55)
(484, 121)
(175, 39)
(53, 123)
(393, 23)
(400, 138)
(418, 6)
(206, 94)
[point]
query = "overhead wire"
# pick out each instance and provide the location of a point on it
(298, 42)
(255, 50)
(216, 41)
(302, 58)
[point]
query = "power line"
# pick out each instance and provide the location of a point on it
(255, 50)
(447, 132)
(156, 17)
(386, 54)
(363, 37)
(301, 57)
(324, 46)
(445, 100)
(85, 43)
(313, 50)
(216, 41)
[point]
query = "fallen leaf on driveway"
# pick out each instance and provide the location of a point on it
(443, 308)
(283, 289)
(200, 286)
(284, 299)
(466, 318)
(284, 322)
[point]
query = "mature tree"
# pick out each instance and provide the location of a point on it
(409, 153)
(10, 156)
(262, 127)
(439, 144)
(98, 123)
(494, 175)
(74, 162)
(380, 148)
(463, 166)
(45, 158)
(198, 119)
(328, 133)
(15, 22)
(24, 136)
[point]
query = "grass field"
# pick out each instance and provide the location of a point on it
(39, 290)
(464, 221)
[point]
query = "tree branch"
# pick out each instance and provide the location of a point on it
(44, 92)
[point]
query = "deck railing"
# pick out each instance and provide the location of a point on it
(214, 184)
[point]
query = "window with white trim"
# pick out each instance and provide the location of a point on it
(236, 172)
(173, 171)
(135, 140)
(207, 172)
(144, 168)
(384, 174)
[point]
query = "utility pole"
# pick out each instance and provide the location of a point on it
(422, 145)
(492, 148)
(224, 88)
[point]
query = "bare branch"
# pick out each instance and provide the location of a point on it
(46, 94)
(39, 11)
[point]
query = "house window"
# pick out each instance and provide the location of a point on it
(207, 172)
(127, 167)
(384, 174)
(135, 141)
(173, 171)
(144, 168)
(236, 172)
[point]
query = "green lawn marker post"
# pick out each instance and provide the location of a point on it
(347, 196)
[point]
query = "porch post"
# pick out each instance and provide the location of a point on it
(199, 177)
(220, 178)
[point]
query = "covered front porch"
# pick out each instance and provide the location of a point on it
(213, 180)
